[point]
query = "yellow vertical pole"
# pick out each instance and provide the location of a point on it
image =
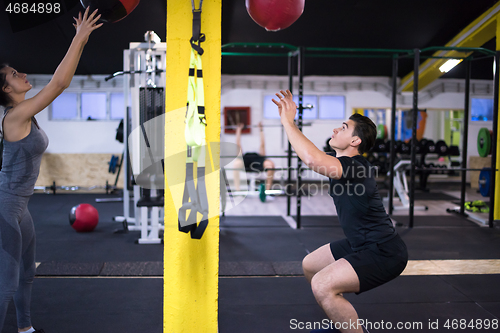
(190, 266)
(496, 204)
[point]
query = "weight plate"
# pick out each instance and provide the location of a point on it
(484, 142)
(381, 132)
(484, 182)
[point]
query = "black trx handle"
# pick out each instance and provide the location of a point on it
(197, 37)
(198, 204)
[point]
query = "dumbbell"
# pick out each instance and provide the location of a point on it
(380, 146)
(404, 148)
(371, 158)
(388, 146)
(441, 148)
(397, 146)
(418, 147)
(430, 147)
(454, 151)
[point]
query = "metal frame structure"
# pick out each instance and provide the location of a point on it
(290, 51)
(416, 54)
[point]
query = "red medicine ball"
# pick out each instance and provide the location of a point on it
(274, 15)
(111, 10)
(83, 217)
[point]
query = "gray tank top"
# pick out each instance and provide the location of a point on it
(21, 161)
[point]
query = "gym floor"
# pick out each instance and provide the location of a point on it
(103, 282)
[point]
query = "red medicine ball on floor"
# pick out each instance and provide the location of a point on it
(83, 217)
(274, 15)
(111, 10)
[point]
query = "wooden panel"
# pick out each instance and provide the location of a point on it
(477, 162)
(77, 170)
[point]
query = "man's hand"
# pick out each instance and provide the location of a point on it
(240, 127)
(286, 106)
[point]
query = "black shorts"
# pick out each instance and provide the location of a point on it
(253, 162)
(375, 265)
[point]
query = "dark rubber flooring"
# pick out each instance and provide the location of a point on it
(423, 195)
(282, 304)
(104, 282)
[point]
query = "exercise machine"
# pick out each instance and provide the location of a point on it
(144, 94)
(401, 186)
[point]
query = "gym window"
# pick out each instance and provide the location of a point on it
(116, 105)
(87, 106)
(93, 106)
(481, 109)
(323, 107)
(65, 107)
(331, 107)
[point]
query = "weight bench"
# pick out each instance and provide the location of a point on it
(151, 207)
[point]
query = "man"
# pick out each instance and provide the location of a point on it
(372, 253)
(253, 162)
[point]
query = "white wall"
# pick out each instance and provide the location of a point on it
(78, 137)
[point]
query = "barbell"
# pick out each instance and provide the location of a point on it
(269, 125)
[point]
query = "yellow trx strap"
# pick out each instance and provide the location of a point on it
(196, 122)
(195, 197)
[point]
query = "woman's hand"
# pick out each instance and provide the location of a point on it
(86, 24)
(286, 106)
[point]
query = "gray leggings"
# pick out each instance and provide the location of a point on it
(17, 257)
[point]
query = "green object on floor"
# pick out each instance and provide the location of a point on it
(477, 206)
(262, 192)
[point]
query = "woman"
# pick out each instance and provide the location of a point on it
(24, 143)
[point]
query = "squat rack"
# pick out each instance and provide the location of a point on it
(416, 54)
(292, 52)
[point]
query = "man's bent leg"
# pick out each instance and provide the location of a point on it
(328, 286)
(316, 261)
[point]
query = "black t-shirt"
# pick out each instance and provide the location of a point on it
(359, 206)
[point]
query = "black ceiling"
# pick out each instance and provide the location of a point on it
(391, 24)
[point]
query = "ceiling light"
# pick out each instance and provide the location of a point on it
(447, 66)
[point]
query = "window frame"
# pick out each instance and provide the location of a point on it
(317, 96)
(79, 93)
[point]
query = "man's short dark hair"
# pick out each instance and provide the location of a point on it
(366, 130)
